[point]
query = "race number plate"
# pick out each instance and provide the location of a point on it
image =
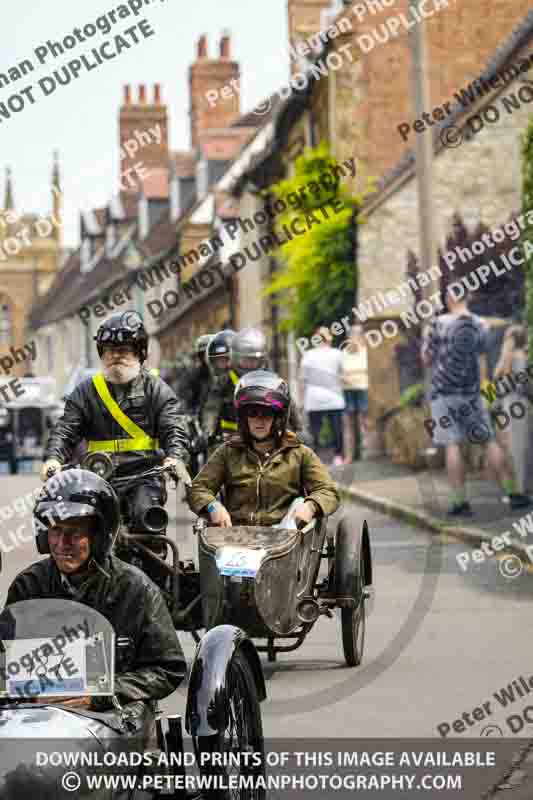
(239, 563)
(39, 667)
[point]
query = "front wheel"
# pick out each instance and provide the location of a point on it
(233, 760)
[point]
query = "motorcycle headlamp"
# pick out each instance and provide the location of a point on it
(99, 463)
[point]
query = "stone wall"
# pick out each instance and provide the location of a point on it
(468, 180)
(460, 43)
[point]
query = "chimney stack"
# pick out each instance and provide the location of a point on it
(141, 125)
(211, 75)
(202, 46)
(304, 20)
(225, 45)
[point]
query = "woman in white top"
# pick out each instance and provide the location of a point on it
(355, 374)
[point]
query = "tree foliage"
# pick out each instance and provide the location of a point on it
(318, 281)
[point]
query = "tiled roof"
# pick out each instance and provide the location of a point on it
(223, 145)
(262, 113)
(161, 238)
(44, 309)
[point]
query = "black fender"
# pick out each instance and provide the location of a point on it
(206, 712)
(352, 545)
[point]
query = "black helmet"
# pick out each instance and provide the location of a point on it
(74, 493)
(125, 328)
(219, 347)
(200, 346)
(263, 388)
(249, 351)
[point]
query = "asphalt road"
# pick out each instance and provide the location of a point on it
(439, 642)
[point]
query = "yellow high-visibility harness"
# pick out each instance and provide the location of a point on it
(226, 424)
(139, 439)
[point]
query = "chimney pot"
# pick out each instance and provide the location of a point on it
(157, 94)
(142, 93)
(225, 45)
(127, 94)
(202, 46)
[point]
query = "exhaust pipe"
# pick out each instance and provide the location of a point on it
(147, 514)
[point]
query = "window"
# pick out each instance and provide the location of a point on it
(5, 320)
(202, 179)
(50, 354)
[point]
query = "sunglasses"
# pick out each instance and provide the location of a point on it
(259, 411)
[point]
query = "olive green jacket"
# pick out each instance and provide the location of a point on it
(260, 493)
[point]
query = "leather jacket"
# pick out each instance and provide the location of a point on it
(152, 666)
(147, 400)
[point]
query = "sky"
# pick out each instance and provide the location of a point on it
(80, 120)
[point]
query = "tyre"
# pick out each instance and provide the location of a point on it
(353, 624)
(239, 749)
(350, 577)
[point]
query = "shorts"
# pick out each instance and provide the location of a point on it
(356, 400)
(458, 418)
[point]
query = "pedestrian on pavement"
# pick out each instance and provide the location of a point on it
(455, 346)
(355, 375)
(321, 381)
(513, 359)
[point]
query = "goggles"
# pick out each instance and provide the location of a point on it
(259, 411)
(117, 336)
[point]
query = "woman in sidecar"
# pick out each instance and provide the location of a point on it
(260, 558)
(264, 470)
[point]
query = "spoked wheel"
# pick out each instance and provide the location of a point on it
(237, 754)
(353, 623)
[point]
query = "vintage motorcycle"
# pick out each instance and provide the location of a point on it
(265, 579)
(52, 649)
(149, 550)
(260, 579)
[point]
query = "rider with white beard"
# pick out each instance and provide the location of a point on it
(124, 411)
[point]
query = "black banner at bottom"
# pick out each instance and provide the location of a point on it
(118, 765)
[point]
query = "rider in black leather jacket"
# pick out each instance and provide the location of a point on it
(151, 665)
(126, 412)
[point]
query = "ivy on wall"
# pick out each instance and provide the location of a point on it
(318, 281)
(527, 235)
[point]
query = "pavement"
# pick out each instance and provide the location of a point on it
(422, 497)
